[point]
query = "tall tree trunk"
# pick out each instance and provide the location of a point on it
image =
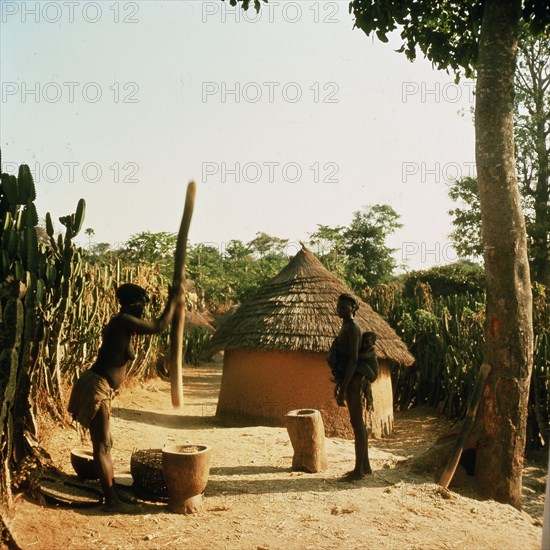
(542, 198)
(509, 331)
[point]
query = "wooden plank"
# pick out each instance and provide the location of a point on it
(475, 399)
(178, 321)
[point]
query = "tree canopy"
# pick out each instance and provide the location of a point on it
(532, 133)
(446, 32)
(359, 253)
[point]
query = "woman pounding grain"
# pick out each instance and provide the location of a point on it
(90, 401)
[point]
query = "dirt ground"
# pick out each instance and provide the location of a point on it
(255, 501)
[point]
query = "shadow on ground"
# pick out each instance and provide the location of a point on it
(165, 420)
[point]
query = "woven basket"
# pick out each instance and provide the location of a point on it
(146, 469)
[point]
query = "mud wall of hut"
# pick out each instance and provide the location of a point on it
(260, 387)
(380, 420)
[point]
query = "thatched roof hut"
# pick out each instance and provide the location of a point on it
(195, 319)
(290, 325)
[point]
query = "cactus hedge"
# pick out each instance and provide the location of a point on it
(38, 282)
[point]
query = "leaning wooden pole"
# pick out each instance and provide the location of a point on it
(450, 469)
(178, 321)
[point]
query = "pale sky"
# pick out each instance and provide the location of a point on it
(286, 120)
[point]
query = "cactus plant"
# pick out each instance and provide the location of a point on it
(49, 274)
(11, 331)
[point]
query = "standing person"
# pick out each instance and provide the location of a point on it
(90, 401)
(350, 382)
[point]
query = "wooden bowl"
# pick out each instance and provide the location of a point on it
(82, 460)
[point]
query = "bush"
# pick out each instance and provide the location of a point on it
(447, 280)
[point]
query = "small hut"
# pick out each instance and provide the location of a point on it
(275, 347)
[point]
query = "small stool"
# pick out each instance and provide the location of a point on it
(307, 434)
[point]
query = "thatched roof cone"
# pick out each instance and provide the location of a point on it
(198, 319)
(296, 311)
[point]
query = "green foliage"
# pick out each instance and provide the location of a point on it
(148, 248)
(248, 266)
(101, 253)
(236, 275)
(328, 243)
(45, 270)
(446, 32)
(370, 258)
(358, 253)
(447, 280)
(205, 266)
(195, 342)
(237, 250)
(538, 427)
(246, 4)
(440, 333)
(222, 278)
(267, 246)
(532, 139)
(466, 218)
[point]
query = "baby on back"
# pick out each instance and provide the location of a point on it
(367, 364)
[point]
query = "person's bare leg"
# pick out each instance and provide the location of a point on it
(355, 408)
(100, 434)
(366, 462)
